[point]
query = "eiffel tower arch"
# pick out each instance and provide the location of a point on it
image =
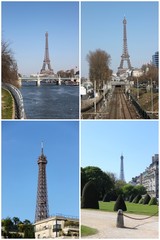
(125, 55)
(46, 61)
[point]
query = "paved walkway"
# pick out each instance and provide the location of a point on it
(105, 223)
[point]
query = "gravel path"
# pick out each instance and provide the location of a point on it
(105, 223)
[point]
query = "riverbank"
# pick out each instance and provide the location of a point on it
(7, 105)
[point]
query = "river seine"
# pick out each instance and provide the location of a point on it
(51, 101)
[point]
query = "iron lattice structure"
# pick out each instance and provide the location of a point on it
(42, 209)
(125, 55)
(122, 169)
(46, 61)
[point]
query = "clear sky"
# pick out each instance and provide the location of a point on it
(102, 27)
(24, 25)
(103, 142)
(21, 147)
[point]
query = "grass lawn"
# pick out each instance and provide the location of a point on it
(86, 231)
(7, 105)
(131, 208)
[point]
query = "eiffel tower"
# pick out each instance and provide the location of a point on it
(125, 55)
(122, 169)
(46, 61)
(42, 209)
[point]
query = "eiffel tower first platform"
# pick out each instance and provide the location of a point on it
(46, 61)
(125, 55)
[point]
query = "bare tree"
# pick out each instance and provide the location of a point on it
(9, 65)
(99, 71)
(150, 72)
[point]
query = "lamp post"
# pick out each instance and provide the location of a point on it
(151, 97)
(137, 90)
(95, 110)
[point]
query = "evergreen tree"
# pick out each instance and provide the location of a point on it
(120, 204)
(147, 198)
(153, 201)
(107, 197)
(90, 196)
(137, 198)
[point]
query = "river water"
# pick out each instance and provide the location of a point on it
(51, 101)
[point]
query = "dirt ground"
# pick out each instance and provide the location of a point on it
(105, 223)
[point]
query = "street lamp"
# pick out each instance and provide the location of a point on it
(95, 98)
(137, 90)
(151, 97)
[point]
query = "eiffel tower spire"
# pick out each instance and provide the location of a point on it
(46, 61)
(125, 55)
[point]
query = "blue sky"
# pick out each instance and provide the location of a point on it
(103, 142)
(102, 28)
(21, 147)
(24, 25)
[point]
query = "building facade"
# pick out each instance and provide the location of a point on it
(155, 59)
(149, 178)
(57, 227)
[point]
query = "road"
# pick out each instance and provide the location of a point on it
(105, 223)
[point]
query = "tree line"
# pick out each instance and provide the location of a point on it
(107, 183)
(15, 228)
(9, 65)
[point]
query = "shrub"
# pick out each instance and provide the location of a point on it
(120, 204)
(131, 197)
(107, 197)
(137, 198)
(113, 196)
(90, 196)
(153, 201)
(147, 198)
(141, 201)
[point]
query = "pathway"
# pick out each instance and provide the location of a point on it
(105, 223)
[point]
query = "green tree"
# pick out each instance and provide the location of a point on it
(107, 197)
(132, 196)
(118, 186)
(99, 71)
(139, 189)
(120, 204)
(127, 190)
(141, 201)
(7, 224)
(84, 179)
(137, 199)
(101, 179)
(153, 201)
(90, 196)
(16, 220)
(146, 199)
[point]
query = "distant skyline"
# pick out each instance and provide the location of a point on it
(24, 25)
(103, 142)
(102, 28)
(21, 147)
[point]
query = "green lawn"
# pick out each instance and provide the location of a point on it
(86, 231)
(131, 208)
(7, 105)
